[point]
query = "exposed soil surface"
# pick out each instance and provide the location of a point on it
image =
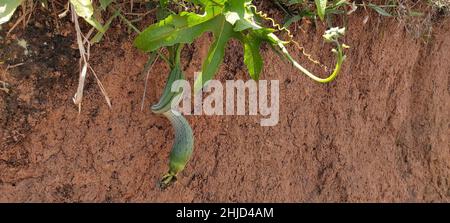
(380, 132)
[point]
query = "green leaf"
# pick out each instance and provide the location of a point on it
(252, 44)
(238, 14)
(379, 10)
(84, 9)
(182, 28)
(99, 35)
(293, 2)
(96, 24)
(223, 31)
(208, 2)
(7, 8)
(104, 3)
(186, 27)
(288, 20)
(321, 5)
(252, 56)
(162, 13)
(291, 19)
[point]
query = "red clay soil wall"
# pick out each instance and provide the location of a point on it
(380, 132)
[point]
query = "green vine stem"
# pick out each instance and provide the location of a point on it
(331, 35)
(331, 77)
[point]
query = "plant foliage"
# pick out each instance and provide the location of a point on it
(7, 8)
(225, 19)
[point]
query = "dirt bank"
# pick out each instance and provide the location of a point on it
(380, 132)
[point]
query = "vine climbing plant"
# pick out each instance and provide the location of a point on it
(226, 19)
